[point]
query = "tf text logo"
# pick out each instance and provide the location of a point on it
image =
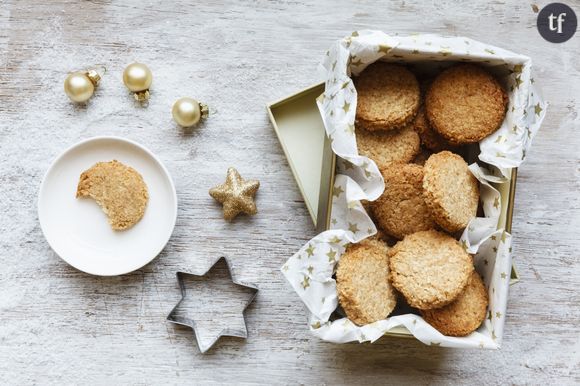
(557, 22)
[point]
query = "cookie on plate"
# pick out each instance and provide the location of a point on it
(362, 282)
(118, 189)
(429, 268)
(429, 137)
(401, 209)
(385, 147)
(465, 104)
(465, 314)
(451, 191)
(387, 96)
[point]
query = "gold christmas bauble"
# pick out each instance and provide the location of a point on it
(137, 77)
(186, 112)
(79, 87)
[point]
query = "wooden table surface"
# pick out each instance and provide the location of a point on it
(58, 325)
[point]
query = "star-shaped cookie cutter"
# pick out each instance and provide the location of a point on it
(199, 323)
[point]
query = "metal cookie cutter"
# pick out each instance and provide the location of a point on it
(213, 304)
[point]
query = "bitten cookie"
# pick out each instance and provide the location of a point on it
(429, 268)
(451, 191)
(465, 314)
(401, 209)
(429, 137)
(465, 104)
(118, 189)
(387, 96)
(362, 282)
(385, 147)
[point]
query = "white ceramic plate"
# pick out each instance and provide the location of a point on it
(78, 230)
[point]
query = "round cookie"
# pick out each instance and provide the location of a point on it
(429, 268)
(429, 137)
(465, 104)
(451, 191)
(401, 209)
(465, 314)
(362, 282)
(387, 96)
(385, 147)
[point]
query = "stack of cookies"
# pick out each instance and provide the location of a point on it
(415, 132)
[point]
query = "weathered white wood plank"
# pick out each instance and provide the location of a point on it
(60, 326)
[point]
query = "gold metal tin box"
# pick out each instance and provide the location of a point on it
(300, 130)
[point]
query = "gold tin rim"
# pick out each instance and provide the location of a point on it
(321, 218)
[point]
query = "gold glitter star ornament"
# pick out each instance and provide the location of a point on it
(236, 195)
